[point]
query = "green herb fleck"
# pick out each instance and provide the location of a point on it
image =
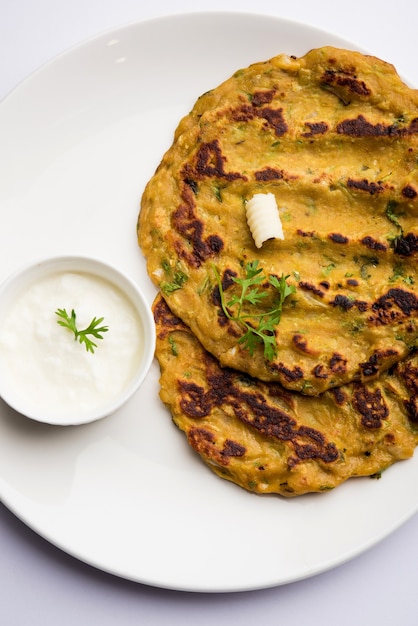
(400, 274)
(204, 286)
(69, 321)
(356, 326)
(328, 269)
(173, 345)
(365, 263)
(259, 327)
(306, 386)
(391, 215)
(179, 279)
(217, 190)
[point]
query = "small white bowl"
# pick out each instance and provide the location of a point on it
(46, 374)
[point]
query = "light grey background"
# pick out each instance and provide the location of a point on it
(42, 586)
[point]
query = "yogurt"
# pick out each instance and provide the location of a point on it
(44, 367)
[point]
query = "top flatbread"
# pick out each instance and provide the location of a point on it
(334, 136)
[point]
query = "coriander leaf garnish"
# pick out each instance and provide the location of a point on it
(69, 321)
(259, 327)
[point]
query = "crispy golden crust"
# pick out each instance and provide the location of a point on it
(270, 440)
(334, 136)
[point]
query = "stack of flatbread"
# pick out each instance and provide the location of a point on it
(300, 400)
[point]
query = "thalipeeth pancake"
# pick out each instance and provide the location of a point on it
(333, 135)
(267, 439)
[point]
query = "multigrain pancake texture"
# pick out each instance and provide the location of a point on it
(334, 136)
(267, 439)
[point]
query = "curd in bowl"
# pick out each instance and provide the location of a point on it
(46, 371)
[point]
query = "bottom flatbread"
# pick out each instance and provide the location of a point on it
(270, 440)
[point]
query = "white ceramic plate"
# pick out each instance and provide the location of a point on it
(80, 138)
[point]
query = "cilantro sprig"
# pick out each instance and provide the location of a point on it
(69, 321)
(259, 327)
